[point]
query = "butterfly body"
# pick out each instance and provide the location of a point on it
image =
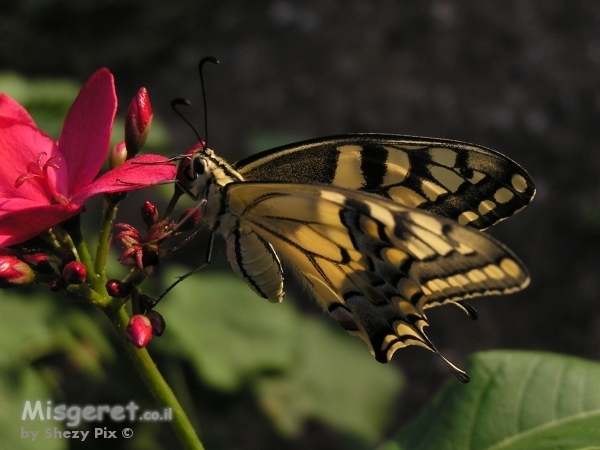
(251, 257)
(378, 227)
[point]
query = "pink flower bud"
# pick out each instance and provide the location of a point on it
(117, 156)
(139, 331)
(14, 272)
(137, 122)
(191, 216)
(157, 321)
(74, 272)
(149, 214)
(117, 289)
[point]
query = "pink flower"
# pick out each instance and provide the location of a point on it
(42, 183)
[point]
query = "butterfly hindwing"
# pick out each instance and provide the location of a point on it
(470, 184)
(375, 265)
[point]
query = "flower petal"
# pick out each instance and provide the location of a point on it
(137, 173)
(20, 144)
(85, 136)
(11, 109)
(22, 219)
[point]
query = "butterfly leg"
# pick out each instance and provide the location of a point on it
(191, 272)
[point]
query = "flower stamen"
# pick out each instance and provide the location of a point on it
(37, 170)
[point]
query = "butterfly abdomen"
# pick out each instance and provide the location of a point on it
(254, 260)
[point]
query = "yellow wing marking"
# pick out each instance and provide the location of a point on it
(451, 180)
(518, 183)
(406, 196)
(466, 217)
(348, 172)
(397, 166)
(503, 195)
(444, 156)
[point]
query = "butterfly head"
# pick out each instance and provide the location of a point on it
(200, 169)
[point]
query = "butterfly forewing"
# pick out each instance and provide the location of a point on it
(375, 265)
(470, 184)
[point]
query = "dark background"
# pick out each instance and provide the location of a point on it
(521, 77)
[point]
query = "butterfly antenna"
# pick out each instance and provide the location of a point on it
(203, 61)
(175, 104)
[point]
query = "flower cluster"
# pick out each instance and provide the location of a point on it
(47, 182)
(44, 188)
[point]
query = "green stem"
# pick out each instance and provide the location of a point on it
(156, 383)
(73, 228)
(83, 291)
(109, 212)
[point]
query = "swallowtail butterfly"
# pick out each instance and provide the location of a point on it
(378, 227)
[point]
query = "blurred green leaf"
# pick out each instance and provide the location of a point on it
(16, 387)
(334, 379)
(227, 331)
(32, 327)
(18, 343)
(515, 401)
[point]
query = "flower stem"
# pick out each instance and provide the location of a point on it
(109, 212)
(73, 228)
(156, 383)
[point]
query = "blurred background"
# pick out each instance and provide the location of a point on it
(521, 77)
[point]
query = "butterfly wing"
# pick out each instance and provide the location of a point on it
(373, 264)
(470, 184)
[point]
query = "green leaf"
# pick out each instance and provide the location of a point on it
(334, 379)
(51, 326)
(16, 387)
(226, 330)
(19, 342)
(515, 401)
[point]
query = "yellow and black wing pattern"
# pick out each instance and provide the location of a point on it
(378, 227)
(375, 265)
(470, 184)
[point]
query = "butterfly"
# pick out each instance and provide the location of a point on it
(377, 227)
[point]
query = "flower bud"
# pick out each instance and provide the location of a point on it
(117, 156)
(139, 331)
(137, 122)
(74, 272)
(157, 321)
(118, 289)
(14, 272)
(189, 219)
(149, 214)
